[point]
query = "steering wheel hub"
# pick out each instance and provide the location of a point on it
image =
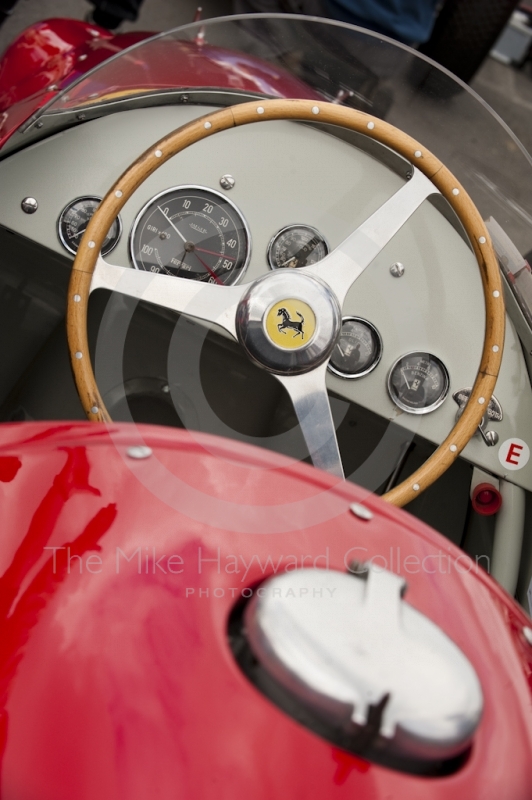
(288, 322)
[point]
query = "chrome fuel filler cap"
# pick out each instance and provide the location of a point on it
(362, 667)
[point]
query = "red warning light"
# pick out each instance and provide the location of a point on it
(486, 499)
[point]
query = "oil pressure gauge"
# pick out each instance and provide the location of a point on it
(418, 382)
(74, 219)
(358, 350)
(296, 246)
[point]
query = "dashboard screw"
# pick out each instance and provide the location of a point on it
(29, 205)
(397, 270)
(491, 438)
(227, 182)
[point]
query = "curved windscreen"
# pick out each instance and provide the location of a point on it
(294, 56)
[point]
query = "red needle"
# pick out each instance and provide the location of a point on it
(212, 253)
(209, 270)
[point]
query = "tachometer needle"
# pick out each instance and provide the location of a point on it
(172, 224)
(209, 270)
(212, 253)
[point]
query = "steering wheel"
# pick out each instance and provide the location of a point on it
(256, 313)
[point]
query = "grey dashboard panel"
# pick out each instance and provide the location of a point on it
(289, 173)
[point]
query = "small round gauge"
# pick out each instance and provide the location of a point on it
(296, 246)
(75, 217)
(418, 383)
(358, 350)
(191, 232)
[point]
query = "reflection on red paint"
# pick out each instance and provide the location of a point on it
(9, 466)
(72, 479)
(17, 620)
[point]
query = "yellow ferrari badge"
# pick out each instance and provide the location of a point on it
(290, 324)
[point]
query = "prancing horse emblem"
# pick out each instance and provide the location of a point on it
(294, 324)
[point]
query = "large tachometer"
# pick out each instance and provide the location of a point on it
(191, 232)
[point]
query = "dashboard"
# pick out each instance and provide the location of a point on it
(280, 195)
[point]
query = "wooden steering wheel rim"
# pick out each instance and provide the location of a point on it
(303, 110)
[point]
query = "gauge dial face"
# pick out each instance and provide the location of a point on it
(74, 219)
(191, 232)
(418, 383)
(296, 246)
(358, 350)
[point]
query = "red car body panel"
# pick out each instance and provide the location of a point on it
(116, 675)
(56, 52)
(118, 574)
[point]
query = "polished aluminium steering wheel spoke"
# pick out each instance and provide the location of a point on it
(341, 268)
(218, 304)
(311, 404)
(205, 301)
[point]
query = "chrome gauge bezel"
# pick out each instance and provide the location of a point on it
(284, 230)
(443, 394)
(84, 198)
(193, 187)
(373, 365)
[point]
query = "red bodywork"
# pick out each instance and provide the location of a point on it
(51, 55)
(117, 680)
(118, 575)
